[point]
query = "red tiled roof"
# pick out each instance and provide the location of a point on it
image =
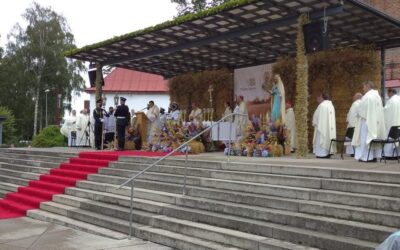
(392, 84)
(125, 80)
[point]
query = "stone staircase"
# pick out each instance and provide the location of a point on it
(227, 206)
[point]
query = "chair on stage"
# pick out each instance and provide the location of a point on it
(393, 138)
(346, 138)
(73, 139)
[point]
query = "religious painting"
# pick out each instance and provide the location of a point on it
(251, 83)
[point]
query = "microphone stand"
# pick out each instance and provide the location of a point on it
(102, 128)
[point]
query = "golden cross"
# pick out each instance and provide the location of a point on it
(210, 90)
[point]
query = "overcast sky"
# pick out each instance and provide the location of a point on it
(93, 21)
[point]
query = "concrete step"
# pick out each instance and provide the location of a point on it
(354, 186)
(362, 187)
(272, 168)
(14, 180)
(275, 179)
(234, 166)
(373, 176)
(172, 162)
(337, 197)
(301, 220)
(10, 187)
(19, 174)
(6, 188)
(3, 193)
(161, 236)
(38, 152)
(221, 235)
(30, 162)
(266, 229)
(35, 157)
(24, 168)
(351, 213)
(75, 224)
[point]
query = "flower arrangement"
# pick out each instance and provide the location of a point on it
(173, 134)
(269, 141)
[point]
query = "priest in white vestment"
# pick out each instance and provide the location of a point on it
(153, 114)
(228, 111)
(69, 126)
(392, 117)
(195, 114)
(351, 120)
(242, 119)
(291, 126)
(370, 124)
(82, 128)
(174, 113)
(324, 122)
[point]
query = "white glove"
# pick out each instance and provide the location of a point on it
(101, 120)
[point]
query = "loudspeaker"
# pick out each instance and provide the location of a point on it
(92, 75)
(315, 37)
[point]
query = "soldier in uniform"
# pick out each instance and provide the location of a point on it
(98, 116)
(122, 115)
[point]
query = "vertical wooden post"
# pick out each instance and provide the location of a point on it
(99, 81)
(383, 73)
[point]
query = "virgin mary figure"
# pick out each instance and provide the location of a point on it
(278, 105)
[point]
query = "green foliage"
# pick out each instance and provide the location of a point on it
(49, 137)
(8, 126)
(34, 61)
(193, 6)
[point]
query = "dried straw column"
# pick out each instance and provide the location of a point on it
(301, 104)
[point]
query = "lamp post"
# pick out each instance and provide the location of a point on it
(58, 109)
(104, 101)
(116, 98)
(46, 91)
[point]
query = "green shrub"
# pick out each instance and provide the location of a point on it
(49, 137)
(8, 126)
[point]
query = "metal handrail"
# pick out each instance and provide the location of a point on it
(132, 179)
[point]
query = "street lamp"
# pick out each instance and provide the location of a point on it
(58, 108)
(104, 99)
(46, 91)
(116, 98)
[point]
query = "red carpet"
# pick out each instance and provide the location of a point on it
(16, 204)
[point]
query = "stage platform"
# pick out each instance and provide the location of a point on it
(289, 160)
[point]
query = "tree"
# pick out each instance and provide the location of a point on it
(34, 61)
(193, 6)
(8, 126)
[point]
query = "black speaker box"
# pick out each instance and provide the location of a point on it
(92, 75)
(315, 37)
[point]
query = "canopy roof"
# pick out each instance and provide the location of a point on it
(238, 34)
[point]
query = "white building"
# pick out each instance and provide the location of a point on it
(137, 87)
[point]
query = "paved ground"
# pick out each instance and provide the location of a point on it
(26, 233)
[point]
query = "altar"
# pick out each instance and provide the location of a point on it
(220, 131)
